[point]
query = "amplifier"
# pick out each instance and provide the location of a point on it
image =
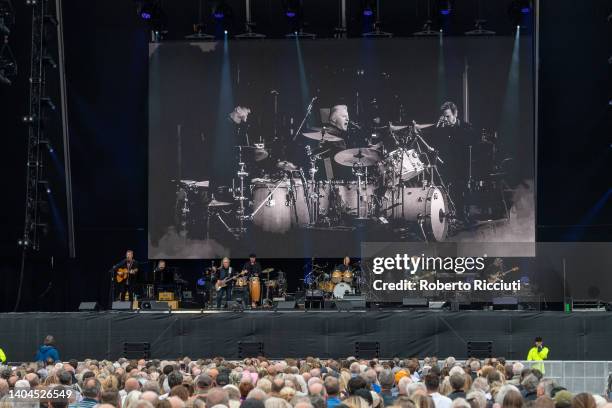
(165, 296)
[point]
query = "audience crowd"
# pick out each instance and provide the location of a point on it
(292, 383)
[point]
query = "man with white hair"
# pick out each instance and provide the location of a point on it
(477, 399)
(355, 369)
(402, 385)
(416, 388)
(517, 368)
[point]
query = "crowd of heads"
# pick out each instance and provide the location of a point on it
(303, 383)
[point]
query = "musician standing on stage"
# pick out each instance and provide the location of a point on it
(454, 139)
(203, 285)
(253, 269)
(126, 286)
(225, 272)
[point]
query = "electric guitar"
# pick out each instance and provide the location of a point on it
(496, 277)
(124, 273)
(221, 283)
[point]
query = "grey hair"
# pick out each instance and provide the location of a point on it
(503, 390)
(412, 388)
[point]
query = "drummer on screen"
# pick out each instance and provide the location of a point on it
(253, 269)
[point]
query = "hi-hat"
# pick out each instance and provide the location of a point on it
(322, 134)
(253, 152)
(286, 165)
(361, 156)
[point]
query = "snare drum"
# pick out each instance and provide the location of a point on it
(242, 281)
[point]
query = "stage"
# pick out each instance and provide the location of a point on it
(403, 333)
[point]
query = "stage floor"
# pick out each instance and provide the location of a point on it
(403, 333)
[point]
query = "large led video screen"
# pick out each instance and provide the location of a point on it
(301, 148)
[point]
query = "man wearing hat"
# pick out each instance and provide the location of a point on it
(538, 353)
(253, 269)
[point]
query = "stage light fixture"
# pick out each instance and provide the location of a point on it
(221, 10)
(293, 8)
(445, 7)
(518, 9)
(368, 8)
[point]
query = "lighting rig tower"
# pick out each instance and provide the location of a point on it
(8, 64)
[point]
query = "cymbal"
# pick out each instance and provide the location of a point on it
(322, 134)
(268, 271)
(253, 152)
(192, 183)
(215, 203)
(361, 155)
(286, 165)
(423, 125)
(394, 128)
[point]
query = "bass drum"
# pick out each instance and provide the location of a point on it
(255, 289)
(414, 204)
(281, 210)
(341, 289)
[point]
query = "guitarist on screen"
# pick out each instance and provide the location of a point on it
(125, 274)
(224, 282)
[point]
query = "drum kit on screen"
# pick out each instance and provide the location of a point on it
(394, 182)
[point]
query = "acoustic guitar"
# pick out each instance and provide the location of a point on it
(124, 273)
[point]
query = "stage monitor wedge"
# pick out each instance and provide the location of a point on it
(89, 307)
(122, 305)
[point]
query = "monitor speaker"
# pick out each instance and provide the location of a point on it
(89, 307)
(122, 305)
(285, 305)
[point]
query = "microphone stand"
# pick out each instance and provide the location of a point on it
(308, 111)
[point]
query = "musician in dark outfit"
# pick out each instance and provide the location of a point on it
(204, 286)
(253, 269)
(127, 285)
(225, 272)
(453, 140)
(345, 266)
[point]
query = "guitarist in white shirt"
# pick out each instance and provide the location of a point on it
(223, 274)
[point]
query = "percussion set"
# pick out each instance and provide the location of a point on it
(255, 285)
(390, 179)
(337, 284)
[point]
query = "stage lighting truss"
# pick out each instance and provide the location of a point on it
(8, 63)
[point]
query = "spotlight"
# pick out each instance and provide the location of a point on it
(221, 11)
(292, 8)
(146, 10)
(519, 9)
(368, 7)
(445, 7)
(225, 32)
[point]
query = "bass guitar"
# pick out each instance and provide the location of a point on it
(496, 277)
(221, 283)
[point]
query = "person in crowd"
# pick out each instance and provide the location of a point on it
(47, 353)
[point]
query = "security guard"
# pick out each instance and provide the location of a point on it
(538, 353)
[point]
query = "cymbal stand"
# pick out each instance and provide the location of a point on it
(359, 172)
(308, 112)
(242, 174)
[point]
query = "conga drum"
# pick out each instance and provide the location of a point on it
(255, 289)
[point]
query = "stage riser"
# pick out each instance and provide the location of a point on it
(577, 336)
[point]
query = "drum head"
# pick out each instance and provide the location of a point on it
(437, 209)
(340, 290)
